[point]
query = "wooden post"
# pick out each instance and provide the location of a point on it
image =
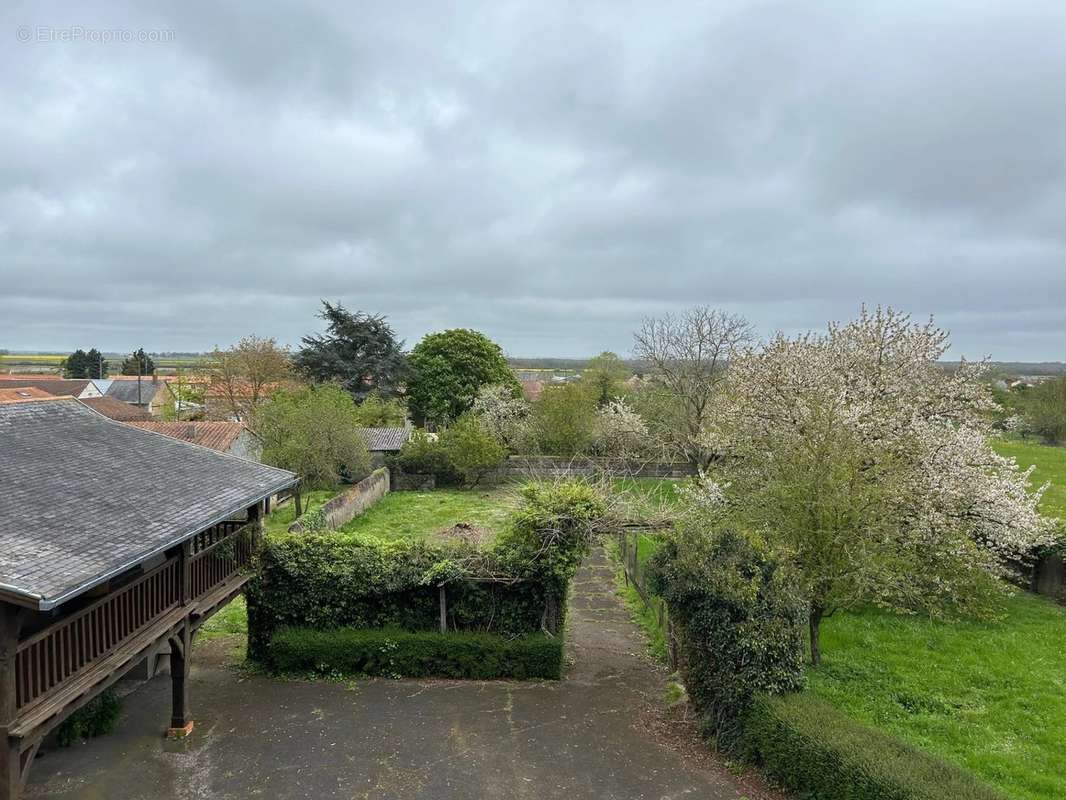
(10, 764)
(443, 610)
(186, 572)
(181, 723)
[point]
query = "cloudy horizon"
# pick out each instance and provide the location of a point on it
(549, 175)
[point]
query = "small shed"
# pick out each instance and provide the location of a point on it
(382, 442)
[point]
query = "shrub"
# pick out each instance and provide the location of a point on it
(98, 717)
(397, 653)
(423, 455)
(471, 450)
(816, 750)
(739, 620)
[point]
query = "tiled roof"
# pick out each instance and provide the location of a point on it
(85, 498)
(116, 409)
(21, 394)
(216, 435)
(57, 387)
(126, 391)
(385, 438)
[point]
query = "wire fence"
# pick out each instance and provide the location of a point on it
(635, 545)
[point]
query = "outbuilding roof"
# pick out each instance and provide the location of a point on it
(378, 439)
(127, 391)
(116, 409)
(21, 394)
(216, 435)
(57, 387)
(85, 498)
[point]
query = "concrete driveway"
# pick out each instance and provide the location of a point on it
(600, 733)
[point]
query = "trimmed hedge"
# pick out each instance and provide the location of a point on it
(814, 749)
(404, 654)
(341, 580)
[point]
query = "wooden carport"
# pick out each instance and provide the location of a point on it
(114, 543)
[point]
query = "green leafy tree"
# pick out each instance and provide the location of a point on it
(564, 420)
(378, 412)
(1043, 410)
(471, 450)
(604, 376)
(359, 351)
(312, 431)
(450, 367)
(95, 364)
(76, 365)
(138, 363)
(80, 364)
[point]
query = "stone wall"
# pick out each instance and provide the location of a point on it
(353, 501)
(555, 466)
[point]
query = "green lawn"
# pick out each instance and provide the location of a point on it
(401, 515)
(989, 696)
(1050, 467)
(230, 620)
(280, 520)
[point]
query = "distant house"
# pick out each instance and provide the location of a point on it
(147, 392)
(116, 409)
(382, 442)
(56, 387)
(225, 437)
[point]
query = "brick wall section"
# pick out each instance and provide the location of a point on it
(353, 501)
(554, 466)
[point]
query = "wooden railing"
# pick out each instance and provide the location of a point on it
(48, 659)
(222, 557)
(59, 652)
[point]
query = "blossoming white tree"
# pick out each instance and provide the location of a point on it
(503, 414)
(866, 462)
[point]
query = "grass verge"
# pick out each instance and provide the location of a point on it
(988, 696)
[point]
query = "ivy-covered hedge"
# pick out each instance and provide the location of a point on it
(814, 749)
(328, 580)
(405, 654)
(739, 623)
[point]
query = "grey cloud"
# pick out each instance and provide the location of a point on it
(546, 172)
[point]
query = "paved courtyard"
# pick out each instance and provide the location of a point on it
(599, 733)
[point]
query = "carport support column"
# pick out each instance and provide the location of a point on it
(180, 653)
(10, 764)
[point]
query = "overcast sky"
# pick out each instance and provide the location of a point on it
(548, 173)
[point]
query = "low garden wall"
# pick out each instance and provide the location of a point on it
(347, 505)
(556, 466)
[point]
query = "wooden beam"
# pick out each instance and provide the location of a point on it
(11, 773)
